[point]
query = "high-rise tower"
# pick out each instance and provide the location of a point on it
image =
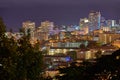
(47, 26)
(95, 20)
(29, 28)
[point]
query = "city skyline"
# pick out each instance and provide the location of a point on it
(61, 12)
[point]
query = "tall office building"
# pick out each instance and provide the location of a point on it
(47, 26)
(111, 23)
(95, 20)
(29, 28)
(44, 30)
(103, 22)
(83, 22)
(84, 25)
(40, 34)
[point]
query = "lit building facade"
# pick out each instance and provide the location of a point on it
(108, 37)
(63, 47)
(116, 43)
(44, 30)
(111, 23)
(84, 25)
(86, 54)
(94, 20)
(105, 28)
(40, 34)
(29, 28)
(47, 26)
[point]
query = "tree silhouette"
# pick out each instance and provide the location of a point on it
(106, 67)
(2, 27)
(82, 46)
(19, 60)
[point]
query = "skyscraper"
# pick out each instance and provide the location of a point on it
(84, 25)
(29, 28)
(44, 30)
(95, 20)
(47, 26)
(111, 23)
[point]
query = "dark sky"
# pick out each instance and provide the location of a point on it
(67, 12)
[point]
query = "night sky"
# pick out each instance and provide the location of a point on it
(67, 12)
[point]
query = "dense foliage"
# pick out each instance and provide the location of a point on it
(19, 60)
(106, 67)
